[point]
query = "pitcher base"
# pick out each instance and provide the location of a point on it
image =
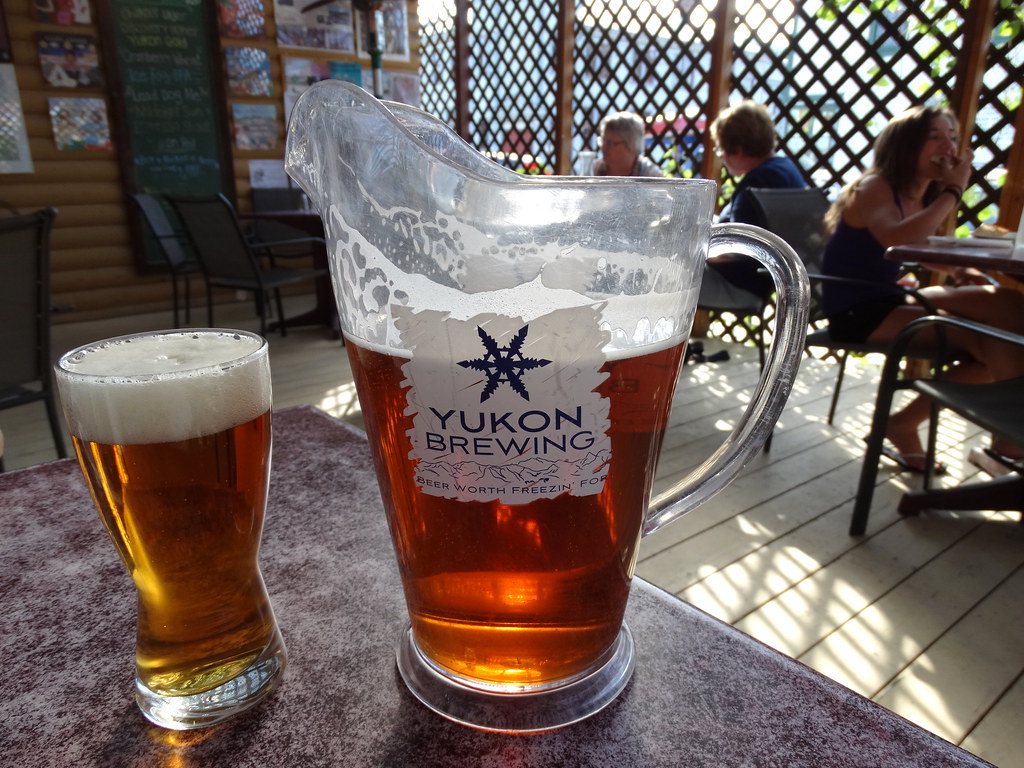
(210, 707)
(520, 712)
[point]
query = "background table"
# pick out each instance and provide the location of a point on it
(704, 694)
(325, 311)
(994, 258)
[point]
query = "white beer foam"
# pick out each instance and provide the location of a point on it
(164, 387)
(529, 286)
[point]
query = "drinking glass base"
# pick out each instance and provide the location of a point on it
(201, 710)
(520, 711)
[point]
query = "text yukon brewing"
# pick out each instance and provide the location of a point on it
(535, 432)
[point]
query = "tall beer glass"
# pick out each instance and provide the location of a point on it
(172, 431)
(515, 344)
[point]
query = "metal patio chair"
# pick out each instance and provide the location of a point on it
(25, 365)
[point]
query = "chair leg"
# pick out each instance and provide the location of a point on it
(838, 387)
(174, 298)
(760, 339)
(209, 306)
(931, 445)
(1003, 494)
(55, 430)
(761, 354)
(281, 325)
(872, 455)
(188, 300)
(261, 310)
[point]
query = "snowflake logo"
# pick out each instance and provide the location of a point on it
(504, 365)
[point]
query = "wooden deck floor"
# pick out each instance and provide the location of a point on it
(922, 615)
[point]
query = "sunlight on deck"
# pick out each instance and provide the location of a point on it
(341, 402)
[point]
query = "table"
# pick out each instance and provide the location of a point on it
(703, 694)
(325, 311)
(993, 259)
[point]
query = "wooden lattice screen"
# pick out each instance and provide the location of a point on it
(831, 73)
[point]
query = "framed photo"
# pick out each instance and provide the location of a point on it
(255, 126)
(79, 123)
(325, 26)
(61, 11)
(69, 61)
(397, 86)
(393, 28)
(241, 19)
(14, 150)
(248, 71)
(299, 74)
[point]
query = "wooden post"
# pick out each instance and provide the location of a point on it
(970, 69)
(565, 42)
(720, 80)
(462, 68)
(1011, 200)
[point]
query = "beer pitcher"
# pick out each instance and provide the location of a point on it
(515, 343)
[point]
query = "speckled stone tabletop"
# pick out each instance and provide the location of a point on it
(703, 693)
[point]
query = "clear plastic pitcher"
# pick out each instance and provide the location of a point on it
(515, 343)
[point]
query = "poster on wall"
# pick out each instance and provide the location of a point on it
(248, 71)
(268, 174)
(69, 61)
(299, 74)
(255, 126)
(61, 11)
(393, 28)
(398, 86)
(79, 123)
(14, 152)
(325, 26)
(241, 19)
(403, 87)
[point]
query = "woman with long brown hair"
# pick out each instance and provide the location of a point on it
(916, 181)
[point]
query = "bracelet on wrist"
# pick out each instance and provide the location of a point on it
(954, 190)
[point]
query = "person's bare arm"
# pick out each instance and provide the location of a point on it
(873, 206)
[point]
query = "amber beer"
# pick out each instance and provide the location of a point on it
(173, 434)
(519, 595)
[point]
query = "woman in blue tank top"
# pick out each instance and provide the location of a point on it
(917, 180)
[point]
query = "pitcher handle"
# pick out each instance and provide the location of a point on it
(769, 398)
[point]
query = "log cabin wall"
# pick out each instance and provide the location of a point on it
(95, 270)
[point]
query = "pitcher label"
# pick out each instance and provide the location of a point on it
(506, 409)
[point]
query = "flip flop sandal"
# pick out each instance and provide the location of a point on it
(903, 460)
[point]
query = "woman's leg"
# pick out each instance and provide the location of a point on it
(904, 424)
(999, 307)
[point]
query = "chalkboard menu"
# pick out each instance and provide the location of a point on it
(168, 96)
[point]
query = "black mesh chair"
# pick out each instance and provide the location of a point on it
(174, 246)
(230, 260)
(995, 407)
(798, 217)
(25, 365)
(717, 295)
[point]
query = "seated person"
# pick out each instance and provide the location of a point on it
(622, 147)
(914, 184)
(744, 136)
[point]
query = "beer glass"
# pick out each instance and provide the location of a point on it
(515, 343)
(172, 432)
